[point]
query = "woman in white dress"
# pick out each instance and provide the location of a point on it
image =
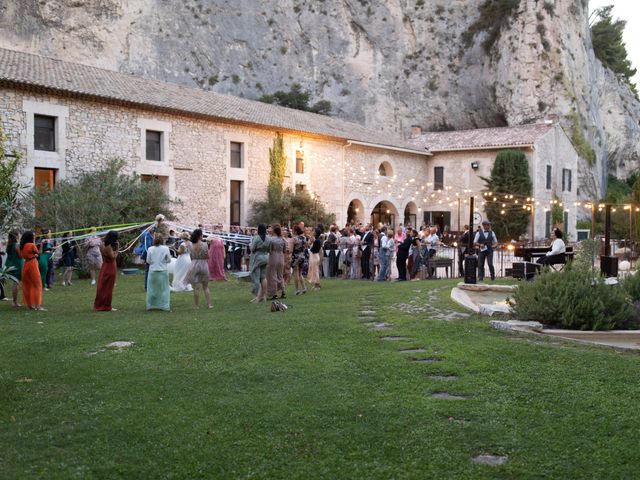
(182, 266)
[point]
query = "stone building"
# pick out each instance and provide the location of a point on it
(462, 158)
(211, 151)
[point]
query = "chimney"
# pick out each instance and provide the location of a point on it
(416, 131)
(551, 119)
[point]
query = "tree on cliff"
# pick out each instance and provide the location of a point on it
(509, 176)
(606, 36)
(298, 99)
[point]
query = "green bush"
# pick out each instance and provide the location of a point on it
(631, 286)
(104, 197)
(572, 299)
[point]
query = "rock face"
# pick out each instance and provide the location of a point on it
(388, 64)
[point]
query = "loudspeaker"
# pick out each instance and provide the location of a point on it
(470, 269)
(609, 266)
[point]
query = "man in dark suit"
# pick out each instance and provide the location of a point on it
(367, 249)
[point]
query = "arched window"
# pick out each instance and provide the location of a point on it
(385, 170)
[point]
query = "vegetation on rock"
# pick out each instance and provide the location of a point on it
(494, 15)
(297, 98)
(608, 45)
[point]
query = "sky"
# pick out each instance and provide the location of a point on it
(628, 10)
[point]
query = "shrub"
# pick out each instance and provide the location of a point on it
(572, 299)
(631, 286)
(13, 201)
(103, 197)
(297, 98)
(494, 15)
(509, 175)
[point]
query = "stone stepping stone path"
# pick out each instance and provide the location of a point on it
(394, 338)
(425, 360)
(443, 377)
(380, 329)
(367, 312)
(413, 350)
(120, 344)
(447, 396)
(491, 460)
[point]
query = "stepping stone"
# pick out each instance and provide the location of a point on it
(491, 460)
(447, 396)
(394, 338)
(367, 312)
(120, 344)
(379, 329)
(425, 360)
(413, 350)
(443, 377)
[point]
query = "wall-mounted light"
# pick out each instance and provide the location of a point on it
(475, 165)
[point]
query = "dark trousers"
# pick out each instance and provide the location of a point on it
(51, 274)
(333, 262)
(365, 261)
(401, 263)
(488, 255)
(461, 255)
(551, 259)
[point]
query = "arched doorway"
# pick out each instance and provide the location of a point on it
(355, 211)
(411, 215)
(384, 212)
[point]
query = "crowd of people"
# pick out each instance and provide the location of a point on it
(270, 254)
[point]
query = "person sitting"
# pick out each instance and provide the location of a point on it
(557, 253)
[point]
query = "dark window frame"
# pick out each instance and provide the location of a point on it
(549, 177)
(300, 162)
(438, 184)
(148, 155)
(235, 203)
(44, 134)
(239, 160)
(566, 180)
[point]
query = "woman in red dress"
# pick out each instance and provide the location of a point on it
(108, 272)
(31, 280)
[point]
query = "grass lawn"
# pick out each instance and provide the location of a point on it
(239, 392)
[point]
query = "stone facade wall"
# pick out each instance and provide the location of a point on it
(195, 167)
(196, 170)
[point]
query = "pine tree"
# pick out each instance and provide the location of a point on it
(609, 47)
(509, 176)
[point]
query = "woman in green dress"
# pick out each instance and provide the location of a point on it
(260, 245)
(43, 263)
(14, 263)
(158, 257)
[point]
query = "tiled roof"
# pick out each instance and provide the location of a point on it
(479, 138)
(34, 71)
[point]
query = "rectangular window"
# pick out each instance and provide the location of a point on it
(548, 177)
(235, 203)
(438, 178)
(44, 179)
(235, 160)
(547, 223)
(44, 133)
(566, 180)
(154, 146)
(299, 161)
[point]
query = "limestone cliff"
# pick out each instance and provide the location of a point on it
(387, 64)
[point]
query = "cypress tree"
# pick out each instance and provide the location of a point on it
(509, 176)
